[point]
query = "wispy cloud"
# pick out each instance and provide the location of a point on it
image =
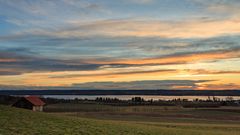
(151, 84)
(65, 42)
(228, 86)
(26, 64)
(141, 1)
(229, 7)
(181, 58)
(211, 72)
(114, 73)
(132, 85)
(137, 28)
(35, 64)
(47, 14)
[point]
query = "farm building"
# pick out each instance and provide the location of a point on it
(30, 102)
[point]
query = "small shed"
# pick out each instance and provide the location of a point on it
(30, 102)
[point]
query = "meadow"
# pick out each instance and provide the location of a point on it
(93, 119)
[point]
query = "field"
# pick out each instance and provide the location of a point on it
(93, 119)
(146, 113)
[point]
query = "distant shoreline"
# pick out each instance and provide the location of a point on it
(124, 92)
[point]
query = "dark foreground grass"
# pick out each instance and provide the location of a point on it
(23, 122)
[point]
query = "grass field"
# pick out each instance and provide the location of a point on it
(148, 113)
(124, 121)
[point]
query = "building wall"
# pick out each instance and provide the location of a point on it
(38, 108)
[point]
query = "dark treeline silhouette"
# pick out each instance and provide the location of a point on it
(8, 100)
(196, 103)
(209, 102)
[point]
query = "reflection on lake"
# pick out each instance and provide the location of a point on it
(127, 97)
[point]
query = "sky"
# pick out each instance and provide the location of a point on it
(122, 44)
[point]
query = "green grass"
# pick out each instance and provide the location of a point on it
(15, 121)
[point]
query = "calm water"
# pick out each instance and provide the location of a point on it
(127, 97)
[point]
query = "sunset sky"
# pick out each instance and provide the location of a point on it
(120, 44)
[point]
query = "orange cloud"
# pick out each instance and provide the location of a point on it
(8, 60)
(203, 71)
(230, 86)
(93, 73)
(62, 78)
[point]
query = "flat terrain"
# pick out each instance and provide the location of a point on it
(112, 120)
(148, 113)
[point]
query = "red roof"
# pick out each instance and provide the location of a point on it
(35, 100)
